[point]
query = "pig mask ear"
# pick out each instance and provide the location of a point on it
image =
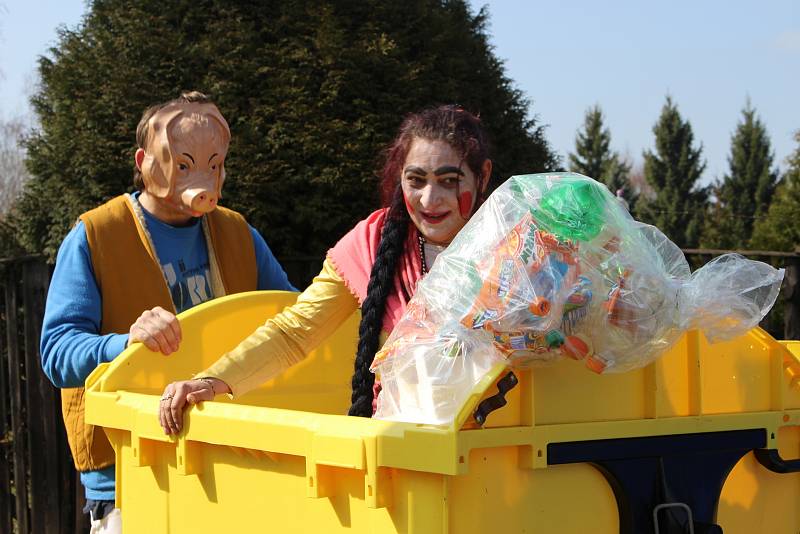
(158, 166)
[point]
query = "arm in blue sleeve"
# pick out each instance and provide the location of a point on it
(270, 272)
(71, 344)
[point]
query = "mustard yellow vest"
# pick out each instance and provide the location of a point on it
(131, 281)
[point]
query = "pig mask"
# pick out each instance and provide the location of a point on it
(184, 158)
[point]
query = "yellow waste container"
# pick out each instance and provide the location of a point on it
(705, 436)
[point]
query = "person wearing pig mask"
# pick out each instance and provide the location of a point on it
(130, 265)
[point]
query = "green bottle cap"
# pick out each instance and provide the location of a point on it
(572, 210)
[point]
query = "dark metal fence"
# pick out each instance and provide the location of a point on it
(39, 489)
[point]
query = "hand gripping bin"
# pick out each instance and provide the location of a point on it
(702, 440)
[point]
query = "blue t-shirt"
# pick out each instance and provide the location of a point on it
(71, 346)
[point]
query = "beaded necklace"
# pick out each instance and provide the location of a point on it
(422, 243)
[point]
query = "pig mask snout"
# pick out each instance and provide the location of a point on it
(200, 200)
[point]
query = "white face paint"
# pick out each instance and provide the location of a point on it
(440, 189)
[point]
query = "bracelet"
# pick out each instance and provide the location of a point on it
(209, 383)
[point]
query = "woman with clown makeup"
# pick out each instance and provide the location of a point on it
(434, 177)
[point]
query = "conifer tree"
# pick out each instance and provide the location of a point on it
(779, 229)
(746, 190)
(673, 170)
(312, 92)
(593, 156)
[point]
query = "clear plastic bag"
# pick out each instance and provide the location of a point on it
(553, 266)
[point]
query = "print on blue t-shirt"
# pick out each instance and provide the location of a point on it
(183, 255)
(188, 287)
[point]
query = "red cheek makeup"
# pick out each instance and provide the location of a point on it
(465, 203)
(409, 209)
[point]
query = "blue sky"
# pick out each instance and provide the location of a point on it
(626, 55)
(709, 55)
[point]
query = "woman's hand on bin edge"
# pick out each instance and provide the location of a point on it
(180, 394)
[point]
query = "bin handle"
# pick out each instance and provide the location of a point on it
(771, 459)
(496, 401)
(666, 505)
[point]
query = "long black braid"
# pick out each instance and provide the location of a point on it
(381, 283)
(463, 131)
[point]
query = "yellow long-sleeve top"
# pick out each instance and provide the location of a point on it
(285, 339)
